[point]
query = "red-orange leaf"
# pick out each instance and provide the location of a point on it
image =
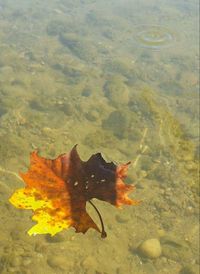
(57, 190)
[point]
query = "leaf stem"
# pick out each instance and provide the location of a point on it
(103, 233)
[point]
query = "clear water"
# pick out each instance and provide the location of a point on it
(118, 77)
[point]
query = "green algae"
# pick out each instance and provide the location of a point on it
(81, 48)
(120, 67)
(116, 91)
(99, 139)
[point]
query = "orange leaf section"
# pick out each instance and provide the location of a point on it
(123, 189)
(57, 190)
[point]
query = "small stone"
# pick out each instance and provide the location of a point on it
(117, 122)
(143, 174)
(26, 261)
(190, 269)
(150, 248)
(190, 166)
(161, 232)
(12, 270)
(176, 249)
(15, 235)
(116, 91)
(149, 268)
(86, 92)
(55, 239)
(67, 108)
(93, 115)
(121, 219)
(89, 263)
(16, 232)
(40, 247)
(15, 261)
(59, 263)
(47, 131)
(19, 250)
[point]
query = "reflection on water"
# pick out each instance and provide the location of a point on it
(118, 77)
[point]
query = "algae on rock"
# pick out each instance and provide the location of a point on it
(116, 91)
(81, 48)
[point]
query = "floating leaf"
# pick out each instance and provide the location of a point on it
(57, 191)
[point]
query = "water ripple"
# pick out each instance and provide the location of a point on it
(153, 37)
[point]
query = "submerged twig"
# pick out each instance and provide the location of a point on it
(10, 172)
(142, 148)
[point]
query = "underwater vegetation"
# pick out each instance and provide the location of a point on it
(117, 82)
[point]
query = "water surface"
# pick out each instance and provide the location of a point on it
(116, 77)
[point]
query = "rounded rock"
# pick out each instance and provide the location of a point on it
(150, 248)
(59, 263)
(92, 115)
(55, 239)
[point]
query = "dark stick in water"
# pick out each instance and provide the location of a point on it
(103, 233)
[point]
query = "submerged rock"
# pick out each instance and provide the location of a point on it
(55, 239)
(67, 108)
(2, 111)
(117, 122)
(86, 92)
(190, 269)
(79, 47)
(99, 138)
(176, 249)
(56, 27)
(92, 115)
(59, 263)
(150, 248)
(116, 91)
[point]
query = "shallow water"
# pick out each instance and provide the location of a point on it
(153, 37)
(116, 77)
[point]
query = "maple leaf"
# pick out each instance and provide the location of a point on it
(57, 191)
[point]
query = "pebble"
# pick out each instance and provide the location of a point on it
(93, 115)
(59, 262)
(26, 261)
(56, 238)
(150, 248)
(89, 263)
(117, 122)
(191, 166)
(161, 232)
(143, 174)
(15, 235)
(67, 108)
(121, 218)
(190, 269)
(12, 270)
(16, 261)
(47, 131)
(176, 249)
(40, 247)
